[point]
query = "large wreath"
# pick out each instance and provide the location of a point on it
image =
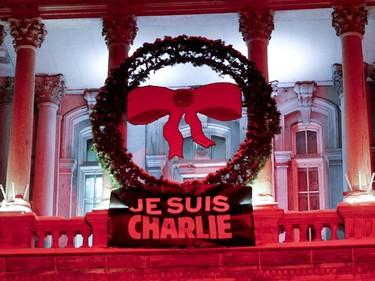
(107, 114)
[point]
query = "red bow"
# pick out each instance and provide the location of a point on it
(221, 101)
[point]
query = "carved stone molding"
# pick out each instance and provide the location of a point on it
(119, 29)
(29, 32)
(333, 156)
(67, 165)
(337, 75)
(90, 97)
(282, 158)
(2, 34)
(6, 90)
(256, 24)
(49, 88)
(305, 91)
(349, 19)
(337, 78)
(275, 86)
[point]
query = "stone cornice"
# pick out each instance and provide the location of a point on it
(119, 29)
(256, 24)
(49, 88)
(6, 90)
(349, 19)
(58, 9)
(27, 32)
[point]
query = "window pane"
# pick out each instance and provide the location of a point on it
(313, 179)
(93, 191)
(90, 152)
(312, 143)
(302, 179)
(218, 150)
(308, 189)
(314, 201)
(302, 202)
(188, 148)
(300, 142)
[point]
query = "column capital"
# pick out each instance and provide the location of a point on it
(49, 88)
(351, 18)
(6, 90)
(119, 29)
(283, 157)
(2, 34)
(256, 24)
(27, 32)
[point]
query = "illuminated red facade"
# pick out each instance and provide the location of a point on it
(306, 228)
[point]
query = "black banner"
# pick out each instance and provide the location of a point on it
(193, 216)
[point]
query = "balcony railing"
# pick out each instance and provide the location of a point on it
(323, 225)
(271, 225)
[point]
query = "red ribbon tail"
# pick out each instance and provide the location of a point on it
(196, 130)
(173, 135)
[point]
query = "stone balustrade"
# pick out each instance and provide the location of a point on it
(320, 225)
(271, 225)
(26, 230)
(321, 245)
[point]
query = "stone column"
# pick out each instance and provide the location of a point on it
(6, 94)
(28, 35)
(119, 33)
(256, 28)
(349, 23)
(49, 91)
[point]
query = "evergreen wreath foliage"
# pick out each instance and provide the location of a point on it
(107, 114)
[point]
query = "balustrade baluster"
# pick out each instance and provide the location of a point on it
(304, 232)
(70, 234)
(85, 238)
(334, 228)
(288, 233)
(41, 235)
(55, 239)
(318, 231)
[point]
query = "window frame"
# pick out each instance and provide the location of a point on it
(85, 168)
(308, 161)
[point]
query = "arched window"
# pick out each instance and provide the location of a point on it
(307, 168)
(90, 175)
